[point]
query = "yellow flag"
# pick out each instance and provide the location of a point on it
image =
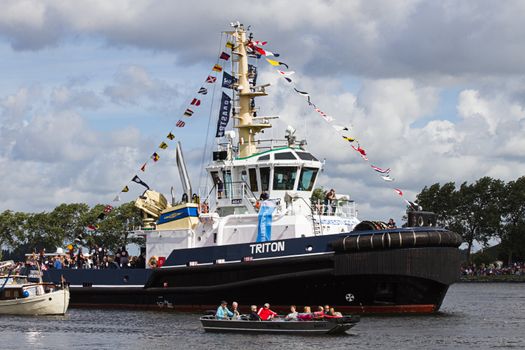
(273, 63)
(229, 45)
(163, 145)
(125, 189)
(349, 139)
(170, 136)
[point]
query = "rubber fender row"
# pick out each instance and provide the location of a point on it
(397, 239)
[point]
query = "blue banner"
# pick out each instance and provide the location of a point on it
(264, 229)
(224, 115)
(227, 80)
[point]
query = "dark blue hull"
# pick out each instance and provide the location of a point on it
(303, 271)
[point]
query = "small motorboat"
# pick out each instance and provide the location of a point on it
(337, 325)
(21, 296)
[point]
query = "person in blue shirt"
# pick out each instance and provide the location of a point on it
(58, 263)
(222, 311)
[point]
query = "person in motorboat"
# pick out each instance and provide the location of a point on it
(319, 314)
(222, 311)
(306, 315)
(265, 313)
(292, 316)
(334, 314)
(235, 311)
(327, 309)
(254, 316)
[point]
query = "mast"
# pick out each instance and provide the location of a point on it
(245, 116)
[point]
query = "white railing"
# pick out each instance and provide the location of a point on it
(342, 208)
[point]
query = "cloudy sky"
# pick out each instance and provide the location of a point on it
(434, 90)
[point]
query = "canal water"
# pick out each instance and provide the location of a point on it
(473, 316)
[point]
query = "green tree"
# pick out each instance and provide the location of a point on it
(113, 231)
(473, 210)
(513, 213)
(67, 221)
(441, 200)
(478, 213)
(12, 228)
(318, 195)
(38, 233)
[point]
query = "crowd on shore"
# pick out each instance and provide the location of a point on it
(96, 258)
(494, 269)
(266, 314)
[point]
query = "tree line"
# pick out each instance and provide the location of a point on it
(22, 233)
(484, 210)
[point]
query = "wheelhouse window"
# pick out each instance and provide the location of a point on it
(306, 156)
(253, 180)
(307, 179)
(265, 178)
(284, 178)
(284, 156)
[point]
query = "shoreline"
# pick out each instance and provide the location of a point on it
(493, 279)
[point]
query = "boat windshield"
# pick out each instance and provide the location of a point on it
(284, 178)
(307, 179)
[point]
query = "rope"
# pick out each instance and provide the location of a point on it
(6, 279)
(205, 152)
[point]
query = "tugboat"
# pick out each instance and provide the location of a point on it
(257, 237)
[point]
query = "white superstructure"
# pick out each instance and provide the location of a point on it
(247, 173)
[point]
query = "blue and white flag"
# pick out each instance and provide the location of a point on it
(264, 229)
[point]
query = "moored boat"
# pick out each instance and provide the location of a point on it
(19, 296)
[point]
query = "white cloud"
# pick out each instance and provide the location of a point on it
(71, 98)
(387, 68)
(134, 83)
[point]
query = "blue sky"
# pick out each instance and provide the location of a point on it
(89, 89)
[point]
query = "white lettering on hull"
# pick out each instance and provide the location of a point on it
(267, 247)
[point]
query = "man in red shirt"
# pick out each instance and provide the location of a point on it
(265, 313)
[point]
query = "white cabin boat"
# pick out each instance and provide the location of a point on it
(19, 296)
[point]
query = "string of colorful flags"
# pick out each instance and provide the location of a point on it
(192, 107)
(255, 48)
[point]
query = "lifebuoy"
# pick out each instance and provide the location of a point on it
(152, 262)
